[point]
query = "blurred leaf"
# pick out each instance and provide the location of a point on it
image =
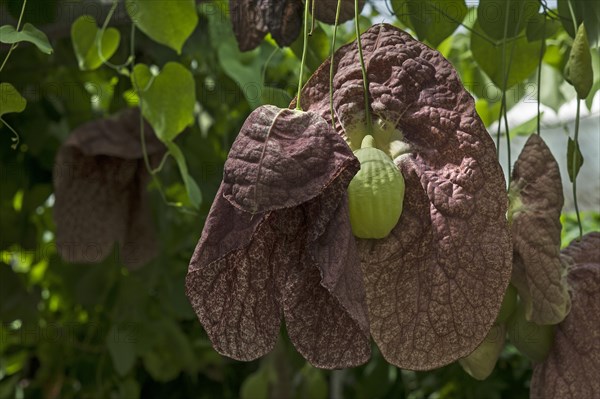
(256, 385)
(540, 27)
(10, 99)
(84, 34)
(550, 94)
(170, 24)
(526, 128)
(191, 186)
(432, 20)
(129, 389)
(312, 384)
(317, 51)
(489, 57)
(585, 11)
(494, 16)
(121, 349)
(29, 33)
(275, 96)
(573, 151)
(168, 99)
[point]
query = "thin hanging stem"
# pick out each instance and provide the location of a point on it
(331, 66)
(539, 77)
(574, 167)
(363, 68)
(304, 49)
(14, 45)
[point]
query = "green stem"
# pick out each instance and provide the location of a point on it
(15, 139)
(14, 45)
(335, 26)
(304, 49)
(362, 68)
(572, 16)
(508, 154)
(574, 167)
(100, 35)
(539, 77)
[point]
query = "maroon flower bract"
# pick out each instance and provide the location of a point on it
(278, 242)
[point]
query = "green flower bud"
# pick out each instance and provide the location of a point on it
(375, 194)
(578, 70)
(531, 339)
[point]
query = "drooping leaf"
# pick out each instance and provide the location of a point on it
(99, 185)
(536, 203)
(587, 12)
(519, 59)
(191, 187)
(571, 369)
(295, 257)
(121, 349)
(435, 285)
(168, 23)
(29, 33)
(168, 99)
(481, 362)
(84, 34)
(573, 151)
(284, 20)
(10, 99)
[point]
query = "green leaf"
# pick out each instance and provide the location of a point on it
(191, 186)
(275, 96)
(540, 27)
(166, 22)
(29, 33)
(587, 12)
(578, 70)
(495, 15)
(121, 349)
(435, 20)
(84, 34)
(10, 99)
(256, 385)
(573, 151)
(489, 57)
(130, 389)
(168, 99)
(526, 128)
(550, 92)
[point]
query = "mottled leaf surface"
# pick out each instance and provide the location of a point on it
(434, 286)
(536, 203)
(298, 262)
(571, 369)
(281, 159)
(284, 19)
(100, 182)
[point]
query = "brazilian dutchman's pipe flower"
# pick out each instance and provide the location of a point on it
(278, 244)
(278, 238)
(99, 186)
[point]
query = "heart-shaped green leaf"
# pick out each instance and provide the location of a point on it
(167, 99)
(10, 99)
(84, 32)
(168, 23)
(29, 33)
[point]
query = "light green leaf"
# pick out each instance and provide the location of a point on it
(489, 57)
(526, 128)
(193, 191)
(166, 22)
(540, 27)
(435, 20)
(244, 68)
(572, 152)
(494, 16)
(275, 96)
(10, 99)
(256, 385)
(550, 93)
(168, 99)
(29, 33)
(84, 32)
(121, 348)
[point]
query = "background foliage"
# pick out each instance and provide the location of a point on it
(100, 330)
